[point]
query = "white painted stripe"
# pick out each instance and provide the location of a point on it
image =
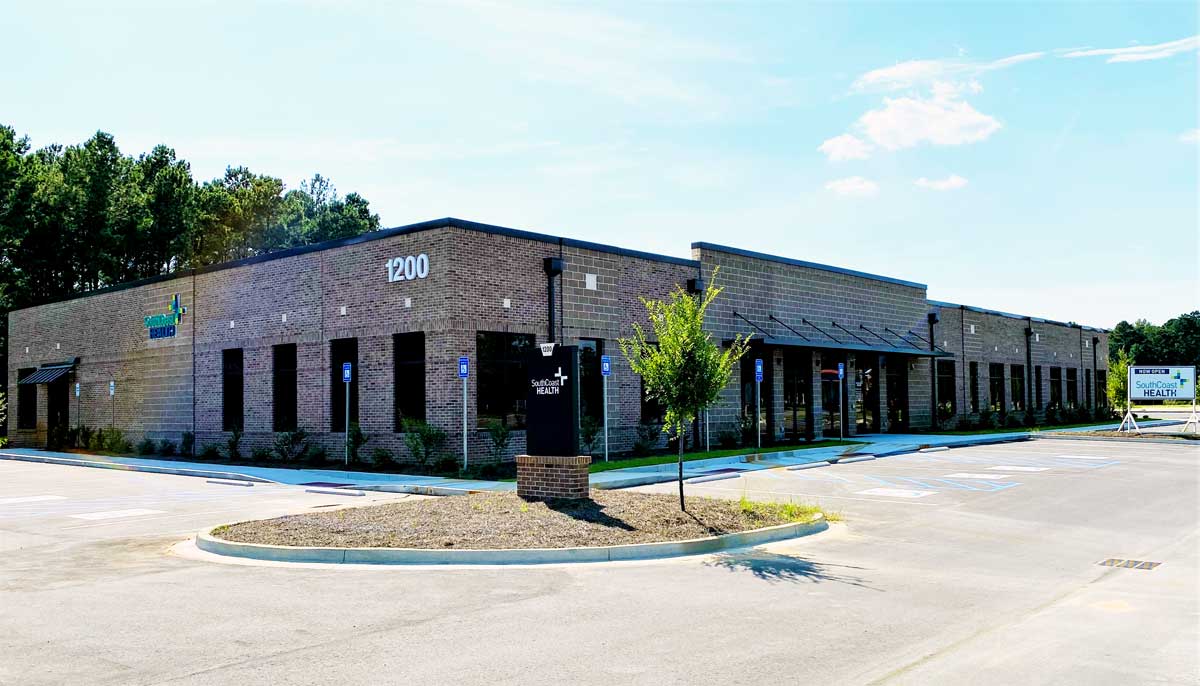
(896, 492)
(1082, 457)
(969, 475)
(114, 514)
(1014, 468)
(934, 449)
(30, 499)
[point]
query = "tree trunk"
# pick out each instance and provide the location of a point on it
(681, 505)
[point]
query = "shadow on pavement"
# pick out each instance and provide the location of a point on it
(588, 510)
(776, 568)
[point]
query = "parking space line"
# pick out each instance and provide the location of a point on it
(1018, 468)
(115, 514)
(30, 499)
(896, 492)
(815, 496)
(969, 475)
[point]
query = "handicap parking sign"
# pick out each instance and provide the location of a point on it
(841, 370)
(758, 370)
(605, 365)
(464, 367)
(346, 372)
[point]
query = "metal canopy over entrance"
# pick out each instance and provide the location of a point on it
(820, 337)
(49, 373)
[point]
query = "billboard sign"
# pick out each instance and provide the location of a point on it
(1162, 383)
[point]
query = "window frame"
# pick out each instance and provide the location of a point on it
(996, 387)
(408, 372)
(508, 372)
(27, 401)
(233, 389)
(1016, 386)
(284, 387)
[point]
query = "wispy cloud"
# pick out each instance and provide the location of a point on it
(1140, 53)
(845, 147)
(913, 73)
(950, 183)
(1191, 136)
(854, 186)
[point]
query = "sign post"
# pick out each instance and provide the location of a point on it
(605, 372)
(464, 370)
(112, 396)
(347, 374)
(758, 377)
(841, 401)
(1159, 383)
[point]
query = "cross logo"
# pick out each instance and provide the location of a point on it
(562, 378)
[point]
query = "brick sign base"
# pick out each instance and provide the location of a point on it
(539, 476)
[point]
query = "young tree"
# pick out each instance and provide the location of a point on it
(1118, 378)
(683, 369)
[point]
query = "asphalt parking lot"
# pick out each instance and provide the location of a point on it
(951, 567)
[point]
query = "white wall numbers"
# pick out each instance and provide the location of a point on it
(408, 268)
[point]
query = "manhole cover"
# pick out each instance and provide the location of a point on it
(1129, 564)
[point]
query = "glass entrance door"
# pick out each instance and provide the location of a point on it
(797, 395)
(831, 395)
(866, 383)
(58, 404)
(897, 394)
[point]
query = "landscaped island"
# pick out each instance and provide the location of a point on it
(503, 520)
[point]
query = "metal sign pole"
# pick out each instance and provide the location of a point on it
(706, 443)
(605, 372)
(758, 377)
(347, 371)
(464, 370)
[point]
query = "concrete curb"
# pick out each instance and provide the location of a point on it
(808, 465)
(712, 477)
(202, 473)
(1158, 441)
(419, 556)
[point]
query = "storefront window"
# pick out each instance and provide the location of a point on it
(408, 386)
(26, 401)
(591, 389)
(1017, 386)
(503, 381)
(1056, 387)
(283, 387)
(947, 405)
(341, 351)
(996, 387)
(233, 391)
(1072, 387)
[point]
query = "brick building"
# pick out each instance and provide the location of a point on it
(258, 344)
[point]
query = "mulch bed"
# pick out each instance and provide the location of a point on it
(503, 520)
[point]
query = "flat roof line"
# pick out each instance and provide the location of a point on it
(378, 234)
(702, 245)
(1010, 315)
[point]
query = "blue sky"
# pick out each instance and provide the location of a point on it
(1039, 159)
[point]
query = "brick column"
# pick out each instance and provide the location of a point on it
(552, 477)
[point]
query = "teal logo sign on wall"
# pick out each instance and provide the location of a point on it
(163, 325)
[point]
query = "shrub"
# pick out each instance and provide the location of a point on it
(234, 444)
(261, 454)
(147, 447)
(589, 433)
(1011, 421)
(57, 438)
(316, 456)
(1030, 419)
(114, 442)
(96, 441)
(500, 435)
(424, 440)
(210, 452)
(673, 441)
(291, 446)
(84, 439)
(383, 457)
(748, 427)
(727, 440)
(647, 438)
(166, 448)
(357, 440)
(985, 418)
(187, 443)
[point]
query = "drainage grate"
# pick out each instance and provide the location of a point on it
(1128, 564)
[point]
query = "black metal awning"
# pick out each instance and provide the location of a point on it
(50, 372)
(834, 336)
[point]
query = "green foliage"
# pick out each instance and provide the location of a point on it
(647, 438)
(1176, 342)
(589, 434)
(316, 456)
(383, 457)
(1030, 419)
(166, 448)
(261, 454)
(60, 437)
(357, 440)
(290, 446)
(233, 445)
(424, 441)
(499, 436)
(95, 442)
(210, 452)
(147, 447)
(1011, 421)
(748, 428)
(727, 439)
(1118, 377)
(187, 443)
(115, 442)
(84, 437)
(792, 512)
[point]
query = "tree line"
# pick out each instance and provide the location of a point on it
(80, 217)
(1175, 342)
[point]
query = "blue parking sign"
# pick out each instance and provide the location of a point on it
(841, 370)
(605, 365)
(758, 370)
(346, 372)
(464, 367)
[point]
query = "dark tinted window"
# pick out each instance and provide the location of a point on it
(26, 401)
(283, 387)
(1072, 387)
(591, 385)
(974, 370)
(341, 351)
(503, 382)
(233, 390)
(1017, 386)
(408, 353)
(947, 405)
(1056, 387)
(1037, 387)
(996, 387)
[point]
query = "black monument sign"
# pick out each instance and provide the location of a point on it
(552, 406)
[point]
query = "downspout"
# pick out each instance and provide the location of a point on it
(933, 318)
(962, 342)
(1029, 367)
